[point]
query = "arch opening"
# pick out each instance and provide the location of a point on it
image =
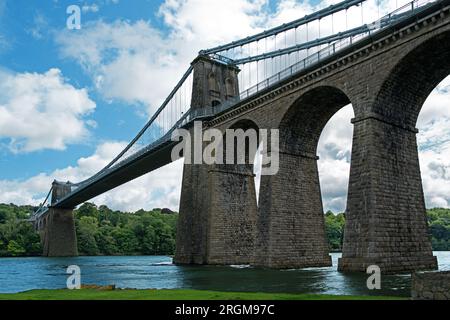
(305, 120)
(319, 125)
(433, 141)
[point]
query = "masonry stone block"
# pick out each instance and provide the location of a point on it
(291, 227)
(59, 238)
(431, 285)
(386, 217)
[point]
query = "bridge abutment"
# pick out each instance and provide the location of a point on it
(58, 232)
(59, 238)
(386, 216)
(291, 226)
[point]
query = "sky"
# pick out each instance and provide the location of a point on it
(70, 100)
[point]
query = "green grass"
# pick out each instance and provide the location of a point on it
(175, 294)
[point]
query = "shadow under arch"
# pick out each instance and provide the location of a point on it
(291, 226)
(386, 216)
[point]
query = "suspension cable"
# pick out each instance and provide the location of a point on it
(147, 125)
(287, 26)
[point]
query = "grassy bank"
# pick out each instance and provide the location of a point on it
(178, 294)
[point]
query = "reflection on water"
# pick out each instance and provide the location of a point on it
(20, 274)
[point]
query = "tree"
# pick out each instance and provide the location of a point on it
(86, 229)
(87, 210)
(15, 249)
(334, 226)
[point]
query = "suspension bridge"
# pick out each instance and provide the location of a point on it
(293, 77)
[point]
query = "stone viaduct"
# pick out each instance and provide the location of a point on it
(386, 80)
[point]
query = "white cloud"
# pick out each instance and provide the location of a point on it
(334, 150)
(434, 152)
(40, 26)
(90, 8)
(41, 111)
(135, 63)
(139, 64)
(126, 60)
(157, 189)
(434, 146)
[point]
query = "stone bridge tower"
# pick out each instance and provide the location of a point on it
(218, 204)
(57, 227)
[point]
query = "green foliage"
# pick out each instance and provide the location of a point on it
(87, 229)
(102, 231)
(334, 226)
(15, 249)
(17, 236)
(438, 221)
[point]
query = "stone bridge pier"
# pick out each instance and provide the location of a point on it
(218, 207)
(386, 217)
(57, 227)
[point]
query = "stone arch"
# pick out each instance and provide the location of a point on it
(291, 217)
(412, 80)
(303, 123)
(215, 102)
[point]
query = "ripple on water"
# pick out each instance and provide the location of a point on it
(21, 274)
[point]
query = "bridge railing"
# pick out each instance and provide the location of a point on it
(393, 17)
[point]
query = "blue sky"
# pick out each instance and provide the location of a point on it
(30, 48)
(71, 99)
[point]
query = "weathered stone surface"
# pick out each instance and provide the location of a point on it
(431, 285)
(291, 226)
(233, 208)
(385, 218)
(59, 238)
(57, 227)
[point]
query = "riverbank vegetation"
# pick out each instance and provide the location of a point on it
(102, 231)
(173, 294)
